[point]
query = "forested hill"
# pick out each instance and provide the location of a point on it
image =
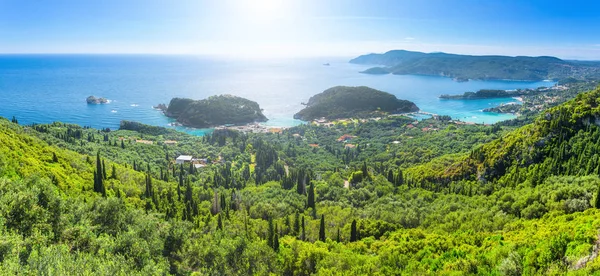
(353, 102)
(373, 197)
(403, 62)
(215, 111)
(564, 140)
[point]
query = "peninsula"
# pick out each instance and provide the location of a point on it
(214, 111)
(465, 67)
(495, 93)
(352, 102)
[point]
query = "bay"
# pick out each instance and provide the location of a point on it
(47, 88)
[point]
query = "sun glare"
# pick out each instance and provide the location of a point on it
(262, 11)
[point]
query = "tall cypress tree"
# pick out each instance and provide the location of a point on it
(98, 181)
(353, 232)
(276, 242)
(223, 202)
(399, 177)
(271, 233)
(219, 222)
(114, 172)
(303, 237)
(338, 235)
(311, 196)
(103, 170)
(365, 170)
(390, 176)
(297, 223)
(322, 229)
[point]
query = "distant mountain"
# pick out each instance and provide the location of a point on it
(214, 111)
(402, 62)
(352, 102)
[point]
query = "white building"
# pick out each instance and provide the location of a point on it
(183, 159)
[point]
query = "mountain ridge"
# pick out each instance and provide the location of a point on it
(484, 67)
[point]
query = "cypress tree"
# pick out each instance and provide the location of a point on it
(189, 200)
(271, 233)
(95, 182)
(219, 222)
(353, 232)
(181, 178)
(288, 225)
(365, 170)
(297, 223)
(215, 207)
(233, 204)
(98, 183)
(300, 187)
(311, 196)
(103, 170)
(54, 158)
(122, 144)
(322, 229)
(390, 176)
(276, 242)
(399, 178)
(223, 202)
(114, 172)
(597, 203)
(303, 237)
(338, 235)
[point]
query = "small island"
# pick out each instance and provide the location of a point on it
(94, 100)
(353, 102)
(214, 111)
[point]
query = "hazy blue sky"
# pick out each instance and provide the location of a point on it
(568, 29)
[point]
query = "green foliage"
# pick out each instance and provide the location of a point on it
(352, 102)
(455, 200)
(215, 111)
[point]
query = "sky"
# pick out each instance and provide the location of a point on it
(299, 28)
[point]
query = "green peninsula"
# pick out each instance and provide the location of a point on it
(484, 94)
(214, 111)
(463, 67)
(352, 102)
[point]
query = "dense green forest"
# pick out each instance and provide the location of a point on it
(389, 197)
(353, 102)
(403, 62)
(214, 111)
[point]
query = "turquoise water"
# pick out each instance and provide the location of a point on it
(47, 88)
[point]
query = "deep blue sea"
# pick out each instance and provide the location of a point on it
(47, 88)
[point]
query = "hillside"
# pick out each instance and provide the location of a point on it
(215, 111)
(403, 62)
(564, 140)
(352, 102)
(408, 197)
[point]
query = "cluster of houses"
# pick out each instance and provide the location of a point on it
(198, 162)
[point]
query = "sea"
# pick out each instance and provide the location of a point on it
(48, 88)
